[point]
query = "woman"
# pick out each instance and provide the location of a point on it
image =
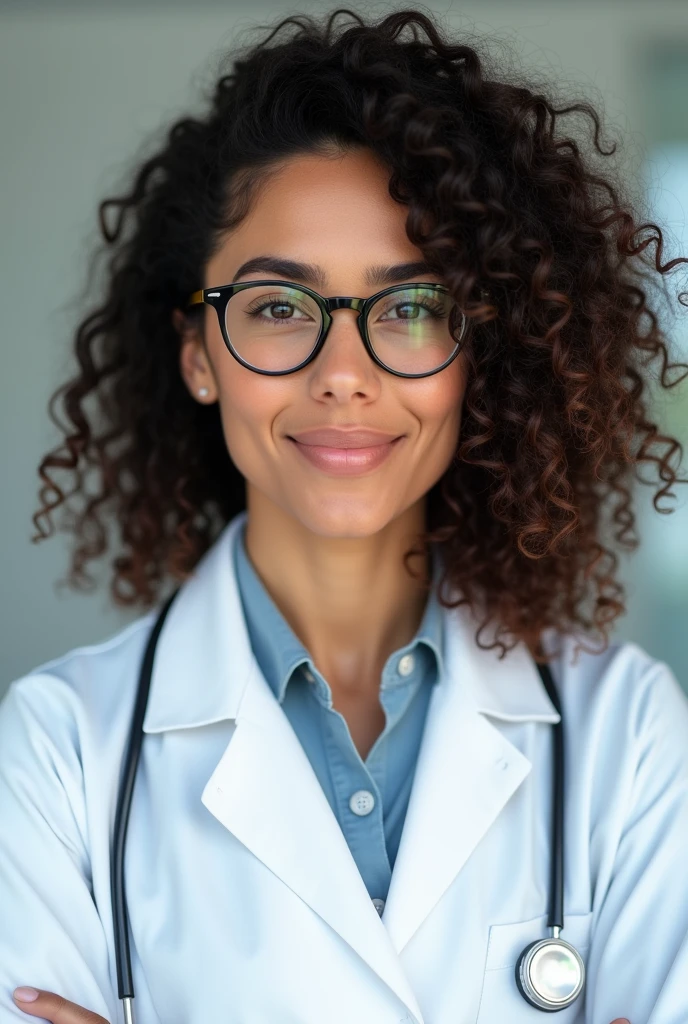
(378, 532)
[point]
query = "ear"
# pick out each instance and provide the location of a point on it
(194, 364)
(179, 322)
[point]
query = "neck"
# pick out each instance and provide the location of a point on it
(350, 601)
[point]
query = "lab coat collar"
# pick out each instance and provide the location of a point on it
(201, 679)
(203, 657)
(466, 772)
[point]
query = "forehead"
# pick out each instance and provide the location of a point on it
(332, 211)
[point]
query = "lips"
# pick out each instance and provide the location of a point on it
(345, 452)
(336, 437)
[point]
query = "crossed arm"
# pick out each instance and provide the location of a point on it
(49, 1006)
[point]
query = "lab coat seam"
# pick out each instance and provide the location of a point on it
(645, 727)
(253, 674)
(484, 973)
(506, 716)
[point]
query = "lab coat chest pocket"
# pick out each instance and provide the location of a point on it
(501, 999)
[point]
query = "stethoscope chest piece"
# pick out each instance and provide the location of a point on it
(550, 974)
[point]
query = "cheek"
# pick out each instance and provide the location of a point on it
(441, 426)
(249, 405)
(436, 402)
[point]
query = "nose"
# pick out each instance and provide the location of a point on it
(345, 321)
(343, 369)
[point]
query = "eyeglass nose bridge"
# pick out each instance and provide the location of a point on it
(344, 302)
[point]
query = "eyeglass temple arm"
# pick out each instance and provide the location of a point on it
(196, 298)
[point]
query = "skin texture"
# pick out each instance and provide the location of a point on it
(328, 549)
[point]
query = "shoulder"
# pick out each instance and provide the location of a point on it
(625, 718)
(62, 729)
(623, 682)
(85, 690)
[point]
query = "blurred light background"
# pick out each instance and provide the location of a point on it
(82, 87)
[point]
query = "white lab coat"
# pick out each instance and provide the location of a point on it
(246, 905)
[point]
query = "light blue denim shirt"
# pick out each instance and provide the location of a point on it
(369, 798)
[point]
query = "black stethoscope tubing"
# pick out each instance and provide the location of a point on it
(533, 959)
(125, 984)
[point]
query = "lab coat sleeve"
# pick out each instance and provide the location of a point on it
(638, 957)
(51, 935)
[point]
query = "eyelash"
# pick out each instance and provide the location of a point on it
(274, 300)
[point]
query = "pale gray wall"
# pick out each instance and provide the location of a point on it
(81, 85)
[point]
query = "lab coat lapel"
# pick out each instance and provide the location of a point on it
(265, 793)
(263, 790)
(466, 772)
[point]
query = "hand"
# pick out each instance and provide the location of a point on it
(54, 1008)
(618, 1020)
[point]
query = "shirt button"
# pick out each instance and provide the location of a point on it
(406, 664)
(379, 906)
(362, 802)
(309, 675)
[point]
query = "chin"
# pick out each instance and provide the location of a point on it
(350, 518)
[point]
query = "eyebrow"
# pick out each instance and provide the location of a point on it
(311, 274)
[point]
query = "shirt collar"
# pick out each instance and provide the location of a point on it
(204, 660)
(277, 648)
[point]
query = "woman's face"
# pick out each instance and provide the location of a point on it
(334, 213)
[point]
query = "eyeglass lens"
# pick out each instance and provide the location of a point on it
(410, 329)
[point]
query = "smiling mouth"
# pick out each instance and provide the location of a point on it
(345, 461)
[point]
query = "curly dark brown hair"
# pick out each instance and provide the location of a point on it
(542, 253)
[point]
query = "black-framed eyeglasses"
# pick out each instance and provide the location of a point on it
(419, 342)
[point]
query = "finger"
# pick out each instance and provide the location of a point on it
(621, 1020)
(54, 1008)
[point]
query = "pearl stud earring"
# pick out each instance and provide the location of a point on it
(203, 392)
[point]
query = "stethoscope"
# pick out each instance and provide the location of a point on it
(550, 973)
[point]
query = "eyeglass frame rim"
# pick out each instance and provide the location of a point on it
(223, 293)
